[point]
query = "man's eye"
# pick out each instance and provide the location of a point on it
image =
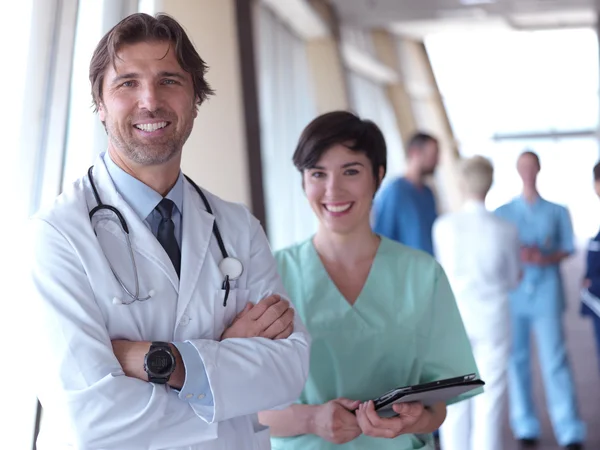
(351, 172)
(169, 81)
(317, 174)
(128, 84)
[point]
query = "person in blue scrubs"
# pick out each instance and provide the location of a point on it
(592, 274)
(537, 306)
(405, 210)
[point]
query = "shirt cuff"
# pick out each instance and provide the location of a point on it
(195, 389)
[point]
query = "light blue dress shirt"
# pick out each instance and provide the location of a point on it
(143, 200)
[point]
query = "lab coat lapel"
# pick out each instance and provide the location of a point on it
(197, 232)
(143, 241)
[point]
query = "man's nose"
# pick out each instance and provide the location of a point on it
(149, 98)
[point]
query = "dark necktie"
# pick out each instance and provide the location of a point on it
(166, 233)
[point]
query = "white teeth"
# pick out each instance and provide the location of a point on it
(338, 208)
(151, 126)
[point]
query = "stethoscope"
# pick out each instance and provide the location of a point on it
(230, 267)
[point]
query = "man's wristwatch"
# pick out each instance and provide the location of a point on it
(159, 362)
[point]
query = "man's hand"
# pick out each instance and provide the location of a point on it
(131, 356)
(271, 318)
(412, 418)
(335, 422)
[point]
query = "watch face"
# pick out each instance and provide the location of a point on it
(159, 362)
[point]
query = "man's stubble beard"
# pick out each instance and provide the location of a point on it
(147, 154)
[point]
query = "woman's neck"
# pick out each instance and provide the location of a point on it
(346, 249)
(530, 193)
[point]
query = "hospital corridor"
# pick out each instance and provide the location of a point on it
(300, 224)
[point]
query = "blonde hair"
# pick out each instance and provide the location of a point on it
(477, 174)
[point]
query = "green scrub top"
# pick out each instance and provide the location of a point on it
(403, 329)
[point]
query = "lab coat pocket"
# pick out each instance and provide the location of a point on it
(262, 438)
(225, 312)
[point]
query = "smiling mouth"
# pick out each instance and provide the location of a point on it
(339, 208)
(149, 127)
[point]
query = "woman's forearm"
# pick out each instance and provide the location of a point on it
(292, 421)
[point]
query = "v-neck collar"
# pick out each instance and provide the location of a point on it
(320, 265)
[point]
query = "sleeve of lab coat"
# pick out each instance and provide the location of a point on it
(76, 369)
(248, 375)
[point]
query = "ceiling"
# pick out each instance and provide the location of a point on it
(418, 18)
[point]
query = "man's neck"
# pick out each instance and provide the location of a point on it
(414, 175)
(161, 177)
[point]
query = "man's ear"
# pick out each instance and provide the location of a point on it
(196, 106)
(101, 112)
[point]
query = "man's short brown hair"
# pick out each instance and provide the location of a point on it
(142, 27)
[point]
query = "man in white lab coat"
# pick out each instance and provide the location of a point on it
(481, 255)
(157, 310)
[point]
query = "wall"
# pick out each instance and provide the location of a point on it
(215, 155)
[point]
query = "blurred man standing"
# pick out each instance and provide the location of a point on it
(405, 210)
(480, 254)
(590, 297)
(537, 305)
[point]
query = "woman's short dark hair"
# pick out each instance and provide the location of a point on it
(142, 27)
(597, 172)
(341, 127)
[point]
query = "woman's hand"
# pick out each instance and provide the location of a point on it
(413, 418)
(335, 422)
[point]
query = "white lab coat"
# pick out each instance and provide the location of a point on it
(88, 402)
(480, 254)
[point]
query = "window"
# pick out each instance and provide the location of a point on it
(371, 102)
(286, 107)
(492, 85)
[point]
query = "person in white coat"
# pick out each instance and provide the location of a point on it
(160, 321)
(481, 255)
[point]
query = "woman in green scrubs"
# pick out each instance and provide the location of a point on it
(381, 315)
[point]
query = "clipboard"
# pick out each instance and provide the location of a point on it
(590, 300)
(428, 393)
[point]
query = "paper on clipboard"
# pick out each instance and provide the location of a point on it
(591, 301)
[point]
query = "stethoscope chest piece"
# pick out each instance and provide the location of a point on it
(232, 269)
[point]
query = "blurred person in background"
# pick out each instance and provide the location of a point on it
(405, 210)
(381, 315)
(480, 254)
(537, 305)
(590, 305)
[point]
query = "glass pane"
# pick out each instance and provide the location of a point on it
(505, 82)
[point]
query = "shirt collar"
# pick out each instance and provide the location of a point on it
(474, 205)
(537, 202)
(140, 197)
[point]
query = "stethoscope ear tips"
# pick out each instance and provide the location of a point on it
(151, 293)
(117, 301)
